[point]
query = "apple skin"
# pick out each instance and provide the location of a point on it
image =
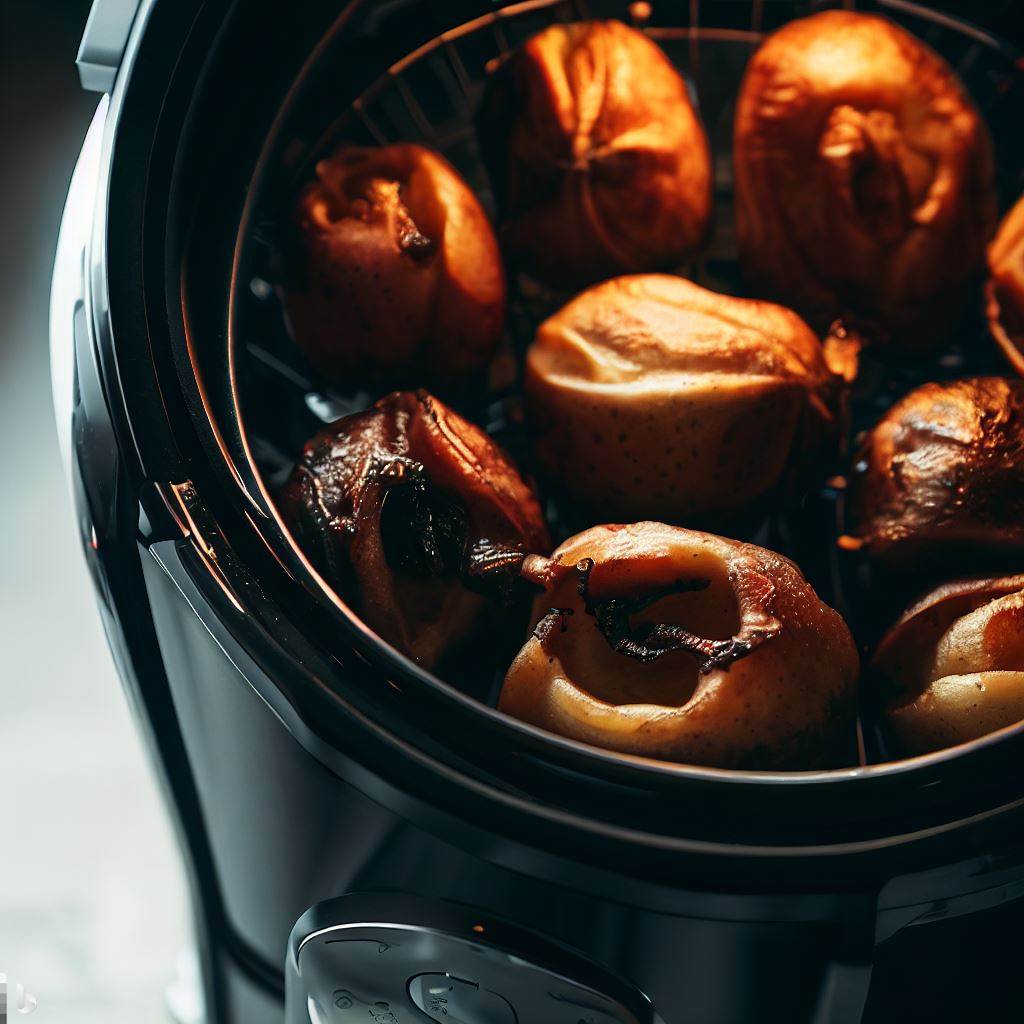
(779, 694)
(1004, 291)
(455, 499)
(939, 476)
(393, 273)
(952, 668)
(864, 179)
(597, 157)
(651, 397)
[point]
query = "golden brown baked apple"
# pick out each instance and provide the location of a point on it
(650, 396)
(864, 178)
(943, 472)
(953, 666)
(598, 159)
(1004, 292)
(417, 516)
(395, 274)
(685, 646)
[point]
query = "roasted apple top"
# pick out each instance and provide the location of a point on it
(651, 396)
(418, 515)
(943, 470)
(680, 645)
(864, 178)
(394, 272)
(952, 668)
(599, 161)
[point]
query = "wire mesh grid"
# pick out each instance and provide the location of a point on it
(431, 96)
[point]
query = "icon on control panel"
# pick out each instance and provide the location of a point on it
(452, 1000)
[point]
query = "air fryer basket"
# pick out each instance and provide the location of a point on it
(277, 401)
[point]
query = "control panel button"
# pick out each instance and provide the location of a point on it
(452, 1000)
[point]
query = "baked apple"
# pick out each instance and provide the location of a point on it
(394, 272)
(418, 516)
(598, 159)
(952, 668)
(1004, 292)
(864, 178)
(651, 396)
(685, 646)
(943, 472)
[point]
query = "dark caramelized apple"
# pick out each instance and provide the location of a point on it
(941, 475)
(416, 517)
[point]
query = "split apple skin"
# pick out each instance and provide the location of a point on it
(598, 159)
(941, 475)
(395, 274)
(1004, 291)
(952, 668)
(864, 179)
(684, 646)
(649, 396)
(418, 518)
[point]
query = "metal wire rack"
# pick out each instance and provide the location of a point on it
(431, 96)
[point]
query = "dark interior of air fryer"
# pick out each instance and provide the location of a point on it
(432, 98)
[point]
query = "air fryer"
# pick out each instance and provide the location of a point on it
(366, 841)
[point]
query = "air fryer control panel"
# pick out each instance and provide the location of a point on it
(446, 963)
